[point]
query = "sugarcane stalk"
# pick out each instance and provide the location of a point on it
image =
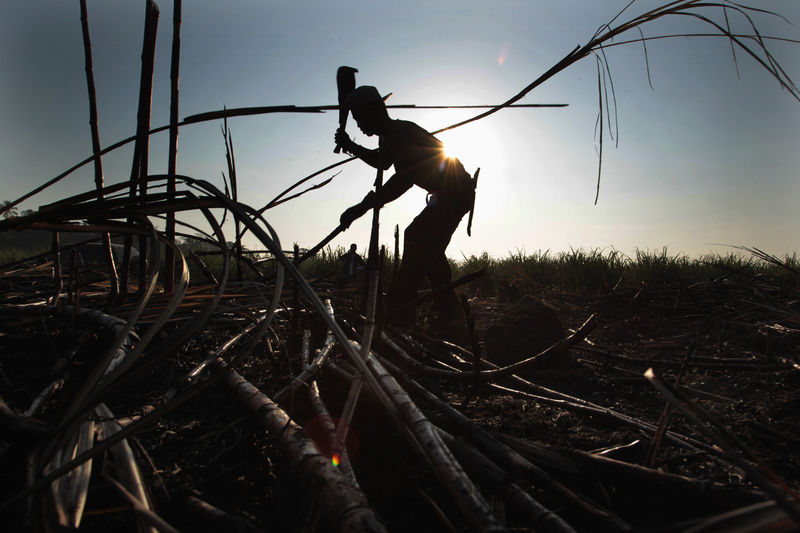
(349, 408)
(172, 157)
(504, 455)
(418, 431)
(580, 405)
(374, 238)
(295, 299)
(217, 518)
(553, 397)
(624, 472)
(344, 506)
(203, 268)
(472, 505)
(260, 328)
(304, 191)
(762, 516)
(98, 165)
(56, 250)
(366, 342)
(142, 511)
(539, 517)
(473, 337)
(396, 258)
(329, 338)
(21, 429)
(70, 490)
(696, 362)
(535, 361)
(46, 393)
(125, 464)
(174, 403)
(105, 374)
(116, 351)
(761, 474)
(508, 459)
(170, 343)
(663, 420)
(231, 161)
(306, 376)
(335, 445)
(337, 331)
(140, 150)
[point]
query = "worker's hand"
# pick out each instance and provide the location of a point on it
(342, 139)
(351, 214)
(358, 210)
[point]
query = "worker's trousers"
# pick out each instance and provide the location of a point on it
(424, 244)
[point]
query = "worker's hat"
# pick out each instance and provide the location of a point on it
(363, 96)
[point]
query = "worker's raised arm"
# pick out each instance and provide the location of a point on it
(371, 157)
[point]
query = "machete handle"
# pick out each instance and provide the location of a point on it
(345, 83)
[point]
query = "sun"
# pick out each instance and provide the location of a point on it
(451, 149)
(479, 146)
(457, 146)
(475, 146)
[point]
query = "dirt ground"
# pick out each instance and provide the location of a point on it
(732, 348)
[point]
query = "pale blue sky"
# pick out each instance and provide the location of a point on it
(703, 159)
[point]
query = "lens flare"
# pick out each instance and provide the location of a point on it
(335, 459)
(503, 55)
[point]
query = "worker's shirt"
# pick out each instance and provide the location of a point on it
(353, 264)
(418, 158)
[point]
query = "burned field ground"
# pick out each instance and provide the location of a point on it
(573, 434)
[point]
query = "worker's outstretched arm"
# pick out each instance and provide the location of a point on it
(394, 188)
(391, 190)
(371, 157)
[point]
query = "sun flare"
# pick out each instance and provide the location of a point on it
(476, 147)
(456, 147)
(451, 150)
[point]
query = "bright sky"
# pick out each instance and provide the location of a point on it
(704, 158)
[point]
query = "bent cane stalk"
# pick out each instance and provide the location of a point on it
(344, 506)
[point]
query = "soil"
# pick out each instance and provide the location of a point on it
(732, 347)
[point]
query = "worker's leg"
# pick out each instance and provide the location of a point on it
(424, 243)
(437, 267)
(446, 303)
(411, 272)
(447, 214)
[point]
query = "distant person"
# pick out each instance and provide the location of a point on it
(352, 264)
(418, 158)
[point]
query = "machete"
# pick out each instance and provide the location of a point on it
(345, 83)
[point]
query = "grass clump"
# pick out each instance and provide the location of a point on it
(326, 264)
(599, 270)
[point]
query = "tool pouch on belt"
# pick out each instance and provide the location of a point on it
(474, 181)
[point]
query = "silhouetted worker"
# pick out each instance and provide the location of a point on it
(418, 158)
(352, 264)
